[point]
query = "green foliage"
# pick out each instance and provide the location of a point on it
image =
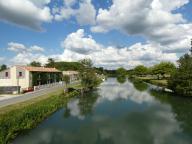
(181, 80)
(140, 70)
(3, 67)
(163, 68)
(50, 63)
(139, 85)
(121, 75)
(87, 63)
(65, 66)
(180, 106)
(121, 79)
(35, 64)
(121, 72)
(88, 76)
(86, 102)
(89, 79)
(111, 73)
(24, 118)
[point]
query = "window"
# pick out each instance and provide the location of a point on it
(6, 74)
(20, 74)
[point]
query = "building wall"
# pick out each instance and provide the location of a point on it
(73, 75)
(3, 74)
(5, 81)
(23, 80)
(14, 79)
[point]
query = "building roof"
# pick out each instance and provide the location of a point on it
(39, 69)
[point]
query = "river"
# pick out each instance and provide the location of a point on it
(117, 113)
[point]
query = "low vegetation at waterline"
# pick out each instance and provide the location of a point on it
(21, 117)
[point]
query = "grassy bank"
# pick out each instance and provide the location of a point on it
(162, 82)
(20, 117)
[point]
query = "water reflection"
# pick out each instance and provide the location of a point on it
(180, 106)
(81, 106)
(111, 90)
(139, 85)
(116, 114)
(121, 79)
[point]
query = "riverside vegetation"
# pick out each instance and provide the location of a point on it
(22, 117)
(19, 118)
(166, 74)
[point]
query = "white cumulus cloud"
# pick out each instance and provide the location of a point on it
(78, 45)
(152, 19)
(84, 15)
(26, 13)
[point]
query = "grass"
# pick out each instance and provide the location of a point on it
(16, 119)
(161, 82)
(28, 102)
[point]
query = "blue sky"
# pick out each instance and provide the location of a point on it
(113, 33)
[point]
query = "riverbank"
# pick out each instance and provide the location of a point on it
(21, 117)
(162, 83)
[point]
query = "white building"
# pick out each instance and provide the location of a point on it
(27, 77)
(73, 75)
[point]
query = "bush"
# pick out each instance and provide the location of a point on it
(181, 80)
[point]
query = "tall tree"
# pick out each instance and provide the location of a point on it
(50, 63)
(121, 71)
(35, 64)
(140, 70)
(86, 63)
(163, 68)
(3, 67)
(181, 80)
(88, 76)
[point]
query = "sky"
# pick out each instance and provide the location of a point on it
(112, 33)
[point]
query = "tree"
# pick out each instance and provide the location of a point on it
(65, 66)
(88, 76)
(181, 80)
(163, 68)
(35, 64)
(121, 75)
(86, 63)
(140, 70)
(3, 67)
(51, 63)
(121, 72)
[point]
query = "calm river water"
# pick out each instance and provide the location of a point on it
(117, 113)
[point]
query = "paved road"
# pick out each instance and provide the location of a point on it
(28, 96)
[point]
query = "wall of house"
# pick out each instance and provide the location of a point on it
(73, 75)
(14, 79)
(6, 81)
(23, 80)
